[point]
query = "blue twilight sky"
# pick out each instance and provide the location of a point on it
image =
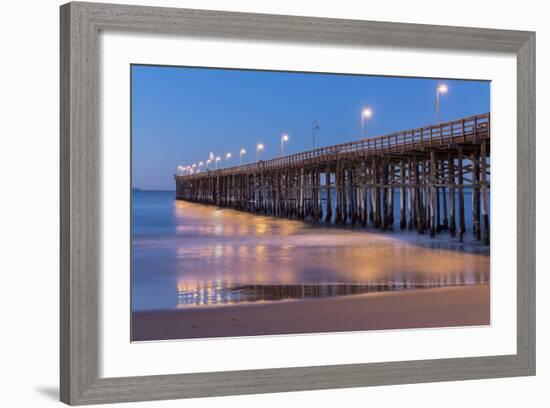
(179, 114)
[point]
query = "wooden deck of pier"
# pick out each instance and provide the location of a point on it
(430, 167)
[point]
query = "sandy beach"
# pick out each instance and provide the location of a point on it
(417, 308)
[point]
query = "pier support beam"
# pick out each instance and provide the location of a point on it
(444, 191)
(402, 215)
(391, 182)
(344, 195)
(432, 194)
(338, 193)
(419, 210)
(484, 195)
(461, 222)
(451, 175)
(410, 196)
(328, 217)
(364, 194)
(376, 194)
(476, 197)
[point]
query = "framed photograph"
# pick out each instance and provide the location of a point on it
(261, 203)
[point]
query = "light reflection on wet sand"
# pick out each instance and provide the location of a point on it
(220, 256)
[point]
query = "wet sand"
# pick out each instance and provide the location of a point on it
(415, 308)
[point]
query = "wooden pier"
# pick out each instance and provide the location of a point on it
(428, 169)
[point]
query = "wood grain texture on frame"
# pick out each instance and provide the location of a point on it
(79, 197)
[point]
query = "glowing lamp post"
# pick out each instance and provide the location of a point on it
(241, 153)
(208, 164)
(200, 165)
(227, 157)
(284, 139)
(259, 148)
(441, 89)
(218, 159)
(366, 113)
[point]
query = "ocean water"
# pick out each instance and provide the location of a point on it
(192, 255)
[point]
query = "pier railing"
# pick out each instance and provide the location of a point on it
(472, 129)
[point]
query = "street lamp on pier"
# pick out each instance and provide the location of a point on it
(218, 159)
(227, 157)
(366, 113)
(441, 89)
(314, 129)
(241, 153)
(259, 148)
(284, 139)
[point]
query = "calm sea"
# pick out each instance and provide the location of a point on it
(193, 255)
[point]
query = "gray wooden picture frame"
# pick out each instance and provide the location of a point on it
(81, 24)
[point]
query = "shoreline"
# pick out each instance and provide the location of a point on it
(450, 306)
